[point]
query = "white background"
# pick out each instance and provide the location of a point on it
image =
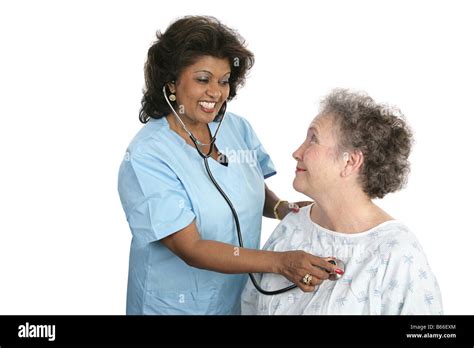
(71, 74)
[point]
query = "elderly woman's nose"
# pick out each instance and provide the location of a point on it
(298, 154)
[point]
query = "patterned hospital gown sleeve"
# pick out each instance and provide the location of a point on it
(408, 284)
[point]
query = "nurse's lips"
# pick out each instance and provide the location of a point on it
(207, 106)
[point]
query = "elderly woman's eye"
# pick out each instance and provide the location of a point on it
(314, 139)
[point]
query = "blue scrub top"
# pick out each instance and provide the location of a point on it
(164, 187)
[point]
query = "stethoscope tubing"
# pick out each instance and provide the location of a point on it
(221, 191)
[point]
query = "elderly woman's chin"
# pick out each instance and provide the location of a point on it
(299, 185)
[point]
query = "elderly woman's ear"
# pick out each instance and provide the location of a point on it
(352, 162)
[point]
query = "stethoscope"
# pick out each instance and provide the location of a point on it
(205, 157)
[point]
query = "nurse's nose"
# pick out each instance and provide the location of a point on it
(214, 92)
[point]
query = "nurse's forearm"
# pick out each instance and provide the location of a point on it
(226, 258)
(270, 200)
(220, 257)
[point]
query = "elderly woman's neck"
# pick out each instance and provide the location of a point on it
(353, 213)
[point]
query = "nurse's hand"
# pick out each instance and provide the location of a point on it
(294, 265)
(287, 207)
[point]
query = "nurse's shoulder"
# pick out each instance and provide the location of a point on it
(237, 122)
(151, 137)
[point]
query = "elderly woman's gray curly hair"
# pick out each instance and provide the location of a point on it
(379, 131)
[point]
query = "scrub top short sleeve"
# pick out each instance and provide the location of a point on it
(163, 207)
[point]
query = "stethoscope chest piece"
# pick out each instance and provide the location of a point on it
(339, 264)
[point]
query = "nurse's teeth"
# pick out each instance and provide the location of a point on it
(207, 105)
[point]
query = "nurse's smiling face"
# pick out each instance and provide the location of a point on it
(201, 89)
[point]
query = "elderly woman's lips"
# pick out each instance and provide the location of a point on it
(300, 170)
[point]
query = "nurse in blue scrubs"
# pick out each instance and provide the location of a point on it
(184, 256)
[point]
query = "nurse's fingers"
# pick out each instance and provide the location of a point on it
(323, 263)
(302, 204)
(307, 288)
(318, 275)
(310, 282)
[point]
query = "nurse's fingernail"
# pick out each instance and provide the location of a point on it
(339, 271)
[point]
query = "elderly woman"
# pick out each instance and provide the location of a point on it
(184, 257)
(355, 151)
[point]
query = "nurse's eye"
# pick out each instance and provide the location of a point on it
(202, 80)
(224, 83)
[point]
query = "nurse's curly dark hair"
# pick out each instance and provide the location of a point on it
(379, 131)
(183, 42)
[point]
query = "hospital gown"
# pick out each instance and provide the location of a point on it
(386, 272)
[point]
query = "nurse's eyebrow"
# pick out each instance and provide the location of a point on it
(207, 71)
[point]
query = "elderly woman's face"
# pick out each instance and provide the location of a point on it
(318, 164)
(202, 88)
